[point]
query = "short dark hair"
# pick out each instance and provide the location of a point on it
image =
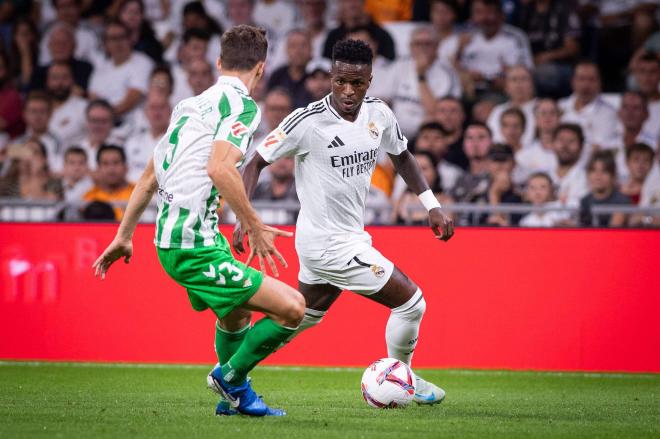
(494, 3)
(75, 150)
(606, 157)
(116, 22)
(639, 148)
(640, 95)
(99, 103)
(242, 47)
(352, 52)
(452, 4)
(649, 57)
(163, 68)
(110, 147)
(480, 125)
(39, 95)
(437, 126)
(573, 127)
(196, 33)
(436, 186)
(540, 174)
(60, 64)
(515, 112)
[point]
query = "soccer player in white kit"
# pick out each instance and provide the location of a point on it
(335, 142)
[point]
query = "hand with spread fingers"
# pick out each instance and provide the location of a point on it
(117, 249)
(262, 245)
(441, 224)
(237, 238)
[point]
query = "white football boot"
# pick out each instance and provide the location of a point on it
(427, 393)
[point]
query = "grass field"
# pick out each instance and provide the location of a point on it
(82, 400)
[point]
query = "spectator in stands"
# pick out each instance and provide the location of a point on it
(275, 15)
(407, 208)
(351, 15)
(161, 80)
(139, 147)
(193, 48)
(484, 54)
(432, 138)
(86, 42)
(519, 87)
(99, 118)
(587, 108)
(292, 76)
(37, 113)
(99, 211)
(200, 76)
(195, 17)
(123, 76)
(553, 28)
(312, 13)
(142, 36)
(76, 179)
(474, 184)
(61, 44)
(443, 14)
(279, 187)
(646, 74)
(240, 12)
(317, 82)
(24, 50)
(540, 156)
(383, 11)
(277, 106)
(380, 65)
(512, 126)
(601, 174)
(416, 83)
(650, 196)
(11, 119)
(450, 114)
(639, 162)
(67, 122)
(569, 175)
(28, 176)
(539, 192)
(111, 185)
(501, 189)
(632, 115)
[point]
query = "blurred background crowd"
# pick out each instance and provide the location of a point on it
(519, 112)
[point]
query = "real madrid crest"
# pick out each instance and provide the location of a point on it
(373, 130)
(377, 270)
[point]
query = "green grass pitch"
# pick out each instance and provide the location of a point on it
(122, 401)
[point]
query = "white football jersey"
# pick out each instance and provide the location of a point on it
(187, 198)
(334, 162)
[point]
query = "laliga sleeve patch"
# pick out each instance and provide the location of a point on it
(238, 129)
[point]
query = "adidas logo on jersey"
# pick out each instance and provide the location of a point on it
(336, 143)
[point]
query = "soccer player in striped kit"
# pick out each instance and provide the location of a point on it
(193, 163)
(335, 142)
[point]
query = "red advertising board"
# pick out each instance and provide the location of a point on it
(512, 299)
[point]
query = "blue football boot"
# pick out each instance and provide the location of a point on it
(241, 397)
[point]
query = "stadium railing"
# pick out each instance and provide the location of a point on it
(285, 212)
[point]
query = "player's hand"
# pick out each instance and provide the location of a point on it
(118, 248)
(262, 245)
(441, 224)
(237, 238)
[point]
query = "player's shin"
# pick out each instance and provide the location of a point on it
(228, 342)
(262, 340)
(312, 318)
(402, 328)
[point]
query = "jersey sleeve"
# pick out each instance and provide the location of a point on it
(287, 140)
(394, 142)
(238, 118)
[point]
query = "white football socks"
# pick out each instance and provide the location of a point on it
(402, 328)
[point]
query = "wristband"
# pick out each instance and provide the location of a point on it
(428, 200)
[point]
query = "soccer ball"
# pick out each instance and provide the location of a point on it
(388, 383)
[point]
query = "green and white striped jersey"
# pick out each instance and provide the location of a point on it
(187, 198)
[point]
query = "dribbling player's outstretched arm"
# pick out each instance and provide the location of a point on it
(122, 245)
(406, 165)
(226, 178)
(251, 174)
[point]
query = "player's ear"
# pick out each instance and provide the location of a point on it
(261, 68)
(218, 66)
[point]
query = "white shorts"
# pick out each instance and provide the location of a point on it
(364, 270)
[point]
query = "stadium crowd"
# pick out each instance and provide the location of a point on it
(542, 103)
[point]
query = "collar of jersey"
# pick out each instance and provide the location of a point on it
(233, 80)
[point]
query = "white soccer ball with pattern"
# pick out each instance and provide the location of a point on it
(388, 383)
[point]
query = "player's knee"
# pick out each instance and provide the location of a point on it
(295, 311)
(414, 309)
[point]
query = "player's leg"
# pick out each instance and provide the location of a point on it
(407, 305)
(318, 300)
(230, 332)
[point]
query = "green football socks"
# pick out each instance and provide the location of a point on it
(227, 342)
(259, 342)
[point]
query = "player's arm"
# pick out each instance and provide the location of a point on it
(226, 178)
(406, 165)
(122, 245)
(251, 174)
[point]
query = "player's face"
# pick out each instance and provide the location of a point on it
(349, 86)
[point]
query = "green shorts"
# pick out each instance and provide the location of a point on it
(212, 276)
